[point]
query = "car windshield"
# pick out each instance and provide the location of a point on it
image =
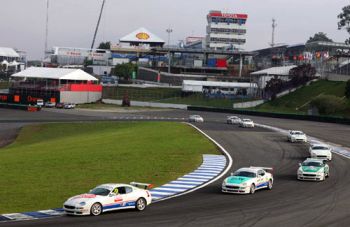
(244, 174)
(317, 164)
(319, 148)
(297, 133)
(100, 191)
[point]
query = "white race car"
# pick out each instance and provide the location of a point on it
(321, 151)
(196, 118)
(246, 123)
(297, 136)
(108, 197)
(233, 120)
(248, 180)
(313, 169)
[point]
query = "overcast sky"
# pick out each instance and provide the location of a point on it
(72, 22)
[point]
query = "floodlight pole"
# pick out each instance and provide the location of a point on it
(169, 31)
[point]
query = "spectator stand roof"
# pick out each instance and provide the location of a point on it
(8, 52)
(55, 74)
(141, 35)
(279, 71)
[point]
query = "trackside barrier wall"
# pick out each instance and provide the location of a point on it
(327, 119)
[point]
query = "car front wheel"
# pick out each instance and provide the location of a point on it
(141, 204)
(252, 189)
(96, 209)
(270, 185)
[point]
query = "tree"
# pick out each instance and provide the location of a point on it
(273, 87)
(125, 70)
(347, 89)
(320, 36)
(104, 46)
(344, 21)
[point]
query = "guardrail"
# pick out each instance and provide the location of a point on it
(328, 119)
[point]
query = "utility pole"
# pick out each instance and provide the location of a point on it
(274, 25)
(47, 26)
(169, 31)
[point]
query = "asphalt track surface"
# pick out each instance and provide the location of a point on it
(289, 203)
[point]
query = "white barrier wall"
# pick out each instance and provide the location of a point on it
(80, 97)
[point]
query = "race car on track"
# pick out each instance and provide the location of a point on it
(313, 169)
(246, 123)
(248, 180)
(109, 197)
(196, 118)
(296, 136)
(69, 106)
(320, 151)
(233, 120)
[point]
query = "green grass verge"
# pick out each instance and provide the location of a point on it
(297, 102)
(49, 163)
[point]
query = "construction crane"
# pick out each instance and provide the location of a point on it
(98, 24)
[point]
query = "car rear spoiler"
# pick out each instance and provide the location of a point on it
(267, 169)
(141, 185)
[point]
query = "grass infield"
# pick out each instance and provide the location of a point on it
(48, 163)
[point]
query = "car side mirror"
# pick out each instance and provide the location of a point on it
(112, 194)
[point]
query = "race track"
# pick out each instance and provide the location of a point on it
(290, 203)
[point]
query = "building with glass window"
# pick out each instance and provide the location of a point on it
(226, 30)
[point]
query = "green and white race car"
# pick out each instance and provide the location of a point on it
(248, 180)
(313, 169)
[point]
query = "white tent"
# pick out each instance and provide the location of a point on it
(4, 62)
(55, 73)
(8, 52)
(141, 35)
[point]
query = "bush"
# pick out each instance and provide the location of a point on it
(347, 89)
(328, 104)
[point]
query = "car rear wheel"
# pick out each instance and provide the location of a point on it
(141, 204)
(269, 186)
(252, 189)
(96, 209)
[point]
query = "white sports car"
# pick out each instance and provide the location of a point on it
(248, 180)
(296, 136)
(246, 123)
(196, 118)
(321, 151)
(313, 169)
(233, 120)
(108, 197)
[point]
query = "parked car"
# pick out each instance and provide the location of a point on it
(69, 105)
(60, 105)
(50, 104)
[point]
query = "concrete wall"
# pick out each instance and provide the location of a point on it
(337, 77)
(147, 104)
(80, 97)
(168, 78)
(251, 104)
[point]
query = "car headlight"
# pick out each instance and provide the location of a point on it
(82, 203)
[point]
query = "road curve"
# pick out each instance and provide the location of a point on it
(290, 203)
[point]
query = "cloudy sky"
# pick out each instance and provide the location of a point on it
(72, 22)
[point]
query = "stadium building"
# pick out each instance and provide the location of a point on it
(226, 30)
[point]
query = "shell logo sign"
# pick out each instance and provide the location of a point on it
(142, 36)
